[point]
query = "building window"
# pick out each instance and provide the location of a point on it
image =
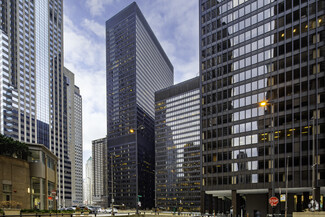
(6, 192)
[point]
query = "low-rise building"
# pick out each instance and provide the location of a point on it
(32, 181)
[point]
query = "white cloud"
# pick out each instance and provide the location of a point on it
(85, 57)
(176, 25)
(95, 27)
(97, 7)
(174, 22)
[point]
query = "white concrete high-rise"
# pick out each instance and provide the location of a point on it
(74, 132)
(99, 154)
(88, 183)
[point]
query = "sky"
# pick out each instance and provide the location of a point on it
(175, 24)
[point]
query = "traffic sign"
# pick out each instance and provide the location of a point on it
(53, 192)
(282, 197)
(273, 201)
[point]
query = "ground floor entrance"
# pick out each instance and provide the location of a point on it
(255, 202)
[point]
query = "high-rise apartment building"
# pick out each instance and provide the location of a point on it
(137, 66)
(177, 147)
(32, 90)
(77, 196)
(99, 156)
(74, 133)
(253, 51)
(88, 182)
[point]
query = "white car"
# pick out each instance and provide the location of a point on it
(109, 210)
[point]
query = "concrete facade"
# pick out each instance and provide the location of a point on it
(99, 163)
(74, 132)
(30, 182)
(15, 173)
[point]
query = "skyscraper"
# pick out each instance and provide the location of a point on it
(32, 88)
(99, 156)
(136, 67)
(177, 147)
(77, 196)
(254, 51)
(74, 133)
(88, 183)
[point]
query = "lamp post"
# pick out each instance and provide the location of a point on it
(313, 167)
(112, 185)
(287, 175)
(264, 104)
(141, 127)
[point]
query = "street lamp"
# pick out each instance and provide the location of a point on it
(287, 181)
(265, 103)
(141, 127)
(313, 167)
(112, 185)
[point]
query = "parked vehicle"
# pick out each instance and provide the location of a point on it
(71, 208)
(109, 210)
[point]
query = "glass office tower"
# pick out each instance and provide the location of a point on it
(253, 51)
(177, 147)
(137, 66)
(32, 89)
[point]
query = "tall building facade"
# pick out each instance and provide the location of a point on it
(77, 197)
(32, 90)
(88, 182)
(137, 66)
(99, 155)
(177, 147)
(74, 133)
(253, 51)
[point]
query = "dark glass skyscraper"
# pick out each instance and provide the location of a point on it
(253, 51)
(177, 146)
(137, 66)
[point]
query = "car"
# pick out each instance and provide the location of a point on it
(73, 208)
(109, 210)
(91, 209)
(101, 210)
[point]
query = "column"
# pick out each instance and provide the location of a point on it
(202, 208)
(215, 204)
(268, 204)
(299, 203)
(210, 203)
(235, 203)
(306, 200)
(220, 205)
